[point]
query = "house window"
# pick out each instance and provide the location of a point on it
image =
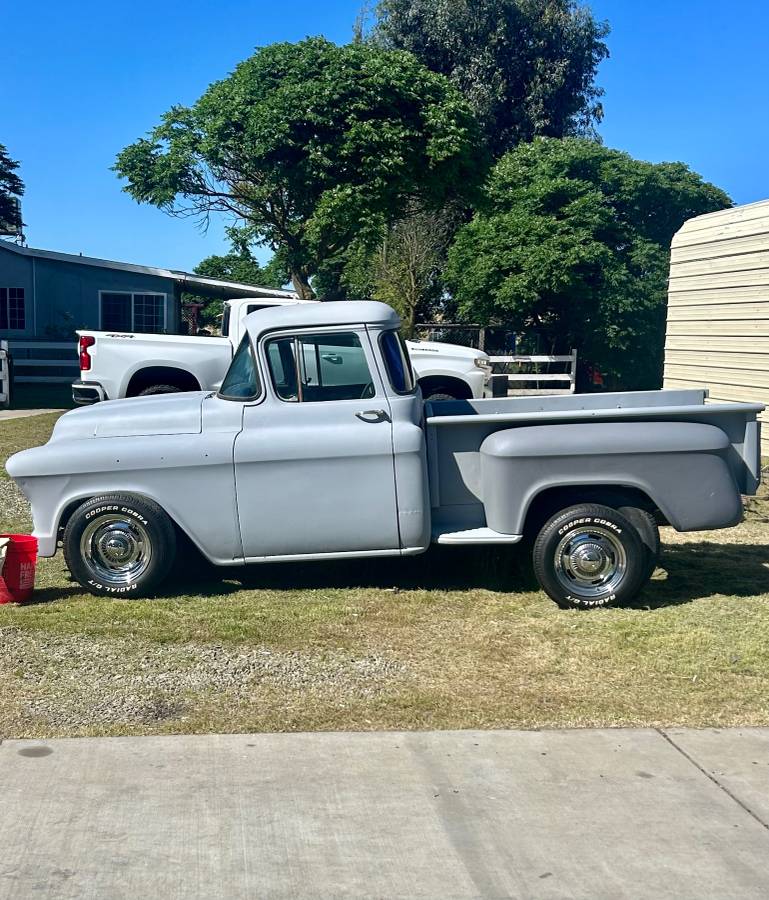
(12, 312)
(123, 311)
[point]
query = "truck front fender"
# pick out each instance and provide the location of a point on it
(681, 466)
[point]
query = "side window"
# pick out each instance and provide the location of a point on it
(242, 380)
(397, 362)
(312, 368)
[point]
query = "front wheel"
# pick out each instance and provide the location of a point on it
(590, 555)
(441, 395)
(119, 545)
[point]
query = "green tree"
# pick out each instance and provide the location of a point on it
(240, 266)
(527, 67)
(311, 147)
(572, 241)
(237, 265)
(11, 188)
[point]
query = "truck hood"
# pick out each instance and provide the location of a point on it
(137, 416)
(436, 348)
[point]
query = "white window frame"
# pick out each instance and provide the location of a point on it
(132, 295)
(8, 309)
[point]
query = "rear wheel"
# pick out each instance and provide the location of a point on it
(590, 555)
(160, 389)
(119, 545)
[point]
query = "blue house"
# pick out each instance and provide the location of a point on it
(46, 296)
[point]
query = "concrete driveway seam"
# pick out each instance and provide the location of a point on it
(713, 778)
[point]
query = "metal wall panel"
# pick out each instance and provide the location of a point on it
(718, 307)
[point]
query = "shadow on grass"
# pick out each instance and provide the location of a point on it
(697, 571)
(53, 594)
(440, 568)
(694, 571)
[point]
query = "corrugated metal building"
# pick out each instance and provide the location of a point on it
(718, 307)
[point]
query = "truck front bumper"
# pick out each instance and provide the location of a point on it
(86, 392)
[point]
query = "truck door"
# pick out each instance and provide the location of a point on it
(314, 465)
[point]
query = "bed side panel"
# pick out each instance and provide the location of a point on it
(682, 466)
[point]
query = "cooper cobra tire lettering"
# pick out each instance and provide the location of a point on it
(132, 512)
(588, 520)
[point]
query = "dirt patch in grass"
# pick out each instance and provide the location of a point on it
(457, 638)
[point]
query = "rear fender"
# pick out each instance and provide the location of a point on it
(681, 466)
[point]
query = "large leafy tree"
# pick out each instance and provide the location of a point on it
(311, 147)
(573, 242)
(11, 188)
(527, 67)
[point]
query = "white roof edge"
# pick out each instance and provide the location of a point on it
(737, 211)
(255, 290)
(331, 313)
(178, 276)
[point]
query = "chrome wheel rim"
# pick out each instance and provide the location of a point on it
(590, 562)
(117, 550)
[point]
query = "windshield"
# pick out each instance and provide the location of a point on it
(242, 380)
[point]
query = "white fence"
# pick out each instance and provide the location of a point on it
(511, 366)
(5, 376)
(44, 362)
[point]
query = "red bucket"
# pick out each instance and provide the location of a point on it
(18, 576)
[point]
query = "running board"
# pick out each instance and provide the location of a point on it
(476, 536)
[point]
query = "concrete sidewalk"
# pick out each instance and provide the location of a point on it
(566, 814)
(24, 413)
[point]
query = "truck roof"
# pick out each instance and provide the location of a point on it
(337, 312)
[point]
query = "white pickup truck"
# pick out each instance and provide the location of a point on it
(114, 365)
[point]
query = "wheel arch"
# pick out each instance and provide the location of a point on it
(70, 506)
(148, 376)
(548, 500)
(445, 384)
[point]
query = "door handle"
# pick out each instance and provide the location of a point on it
(373, 415)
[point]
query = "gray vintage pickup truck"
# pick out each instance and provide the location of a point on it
(318, 445)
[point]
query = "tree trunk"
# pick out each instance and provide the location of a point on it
(410, 323)
(301, 285)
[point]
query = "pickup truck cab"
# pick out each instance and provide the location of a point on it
(115, 365)
(318, 445)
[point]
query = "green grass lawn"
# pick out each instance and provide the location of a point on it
(458, 638)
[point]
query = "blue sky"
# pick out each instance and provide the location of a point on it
(686, 80)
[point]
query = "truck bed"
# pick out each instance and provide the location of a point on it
(456, 430)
